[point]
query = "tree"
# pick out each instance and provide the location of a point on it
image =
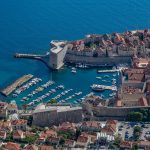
(135, 116)
(117, 140)
(53, 101)
(78, 133)
(62, 141)
(30, 139)
(136, 132)
(134, 147)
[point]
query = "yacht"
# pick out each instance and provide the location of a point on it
(97, 87)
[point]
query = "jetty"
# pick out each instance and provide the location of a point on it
(8, 90)
(17, 55)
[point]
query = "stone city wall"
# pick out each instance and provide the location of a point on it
(97, 60)
(52, 117)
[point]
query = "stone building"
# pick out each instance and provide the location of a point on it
(55, 115)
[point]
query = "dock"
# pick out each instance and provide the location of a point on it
(8, 90)
(108, 71)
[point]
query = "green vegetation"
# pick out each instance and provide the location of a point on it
(117, 140)
(62, 141)
(135, 147)
(9, 137)
(53, 101)
(36, 129)
(116, 143)
(148, 138)
(29, 123)
(65, 135)
(137, 132)
(135, 116)
(142, 115)
(30, 139)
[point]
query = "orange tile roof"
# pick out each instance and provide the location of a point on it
(94, 124)
(125, 144)
(44, 147)
(2, 133)
(143, 102)
(12, 146)
(30, 147)
(69, 142)
(111, 122)
(17, 133)
(82, 139)
(19, 122)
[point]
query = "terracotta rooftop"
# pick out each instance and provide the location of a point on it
(12, 146)
(143, 102)
(17, 133)
(69, 142)
(95, 124)
(126, 144)
(82, 139)
(19, 122)
(30, 147)
(44, 147)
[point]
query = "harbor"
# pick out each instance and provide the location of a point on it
(63, 86)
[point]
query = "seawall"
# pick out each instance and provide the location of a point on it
(97, 60)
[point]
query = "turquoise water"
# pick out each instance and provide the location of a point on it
(29, 26)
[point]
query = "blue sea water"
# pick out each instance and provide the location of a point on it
(28, 26)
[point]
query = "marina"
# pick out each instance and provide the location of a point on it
(63, 88)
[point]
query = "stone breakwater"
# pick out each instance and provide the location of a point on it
(8, 90)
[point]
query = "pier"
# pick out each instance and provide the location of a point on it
(8, 90)
(17, 55)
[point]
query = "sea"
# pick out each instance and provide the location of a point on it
(28, 26)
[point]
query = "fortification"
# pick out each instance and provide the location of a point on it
(55, 115)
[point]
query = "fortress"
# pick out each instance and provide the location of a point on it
(106, 49)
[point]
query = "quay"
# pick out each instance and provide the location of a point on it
(108, 71)
(8, 90)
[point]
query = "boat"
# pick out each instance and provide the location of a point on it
(106, 76)
(98, 87)
(99, 78)
(73, 71)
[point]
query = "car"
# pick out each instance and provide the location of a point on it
(148, 132)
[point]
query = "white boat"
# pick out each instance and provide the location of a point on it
(73, 71)
(98, 87)
(99, 78)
